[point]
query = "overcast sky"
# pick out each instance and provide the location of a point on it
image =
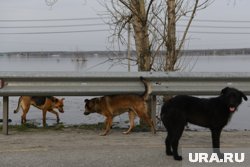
(224, 24)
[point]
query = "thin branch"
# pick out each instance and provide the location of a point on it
(188, 26)
(149, 6)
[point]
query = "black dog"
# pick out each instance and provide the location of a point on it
(213, 113)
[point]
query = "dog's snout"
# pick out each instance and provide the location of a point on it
(86, 113)
(61, 111)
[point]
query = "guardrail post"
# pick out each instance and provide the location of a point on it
(153, 108)
(152, 112)
(5, 114)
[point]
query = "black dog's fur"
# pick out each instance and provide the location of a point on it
(212, 113)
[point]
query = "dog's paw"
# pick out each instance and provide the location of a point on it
(103, 134)
(178, 158)
(45, 125)
(220, 155)
(128, 130)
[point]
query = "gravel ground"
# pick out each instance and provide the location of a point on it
(80, 147)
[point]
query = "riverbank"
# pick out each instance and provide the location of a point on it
(192, 52)
(77, 146)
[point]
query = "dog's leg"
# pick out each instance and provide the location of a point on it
(168, 143)
(177, 133)
(25, 108)
(108, 124)
(131, 115)
(149, 121)
(57, 115)
(142, 112)
(216, 142)
(23, 117)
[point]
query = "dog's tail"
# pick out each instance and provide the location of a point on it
(148, 88)
(18, 105)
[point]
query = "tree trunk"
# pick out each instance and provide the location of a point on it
(140, 26)
(171, 56)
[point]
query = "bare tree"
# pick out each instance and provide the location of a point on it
(132, 12)
(154, 28)
(154, 25)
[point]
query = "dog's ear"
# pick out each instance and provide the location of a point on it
(223, 91)
(62, 99)
(55, 100)
(244, 96)
(86, 100)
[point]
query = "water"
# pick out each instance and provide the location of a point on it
(74, 106)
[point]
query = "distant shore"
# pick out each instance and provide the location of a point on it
(195, 52)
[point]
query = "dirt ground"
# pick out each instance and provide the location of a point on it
(81, 147)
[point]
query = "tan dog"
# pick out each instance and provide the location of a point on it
(44, 103)
(111, 106)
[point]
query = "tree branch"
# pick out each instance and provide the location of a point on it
(187, 28)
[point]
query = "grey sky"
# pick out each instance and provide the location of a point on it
(232, 10)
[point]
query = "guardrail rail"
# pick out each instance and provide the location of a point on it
(104, 83)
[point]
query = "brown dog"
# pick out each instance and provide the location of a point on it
(111, 106)
(44, 103)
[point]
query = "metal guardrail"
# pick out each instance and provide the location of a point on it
(104, 83)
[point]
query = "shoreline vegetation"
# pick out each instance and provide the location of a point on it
(30, 127)
(95, 127)
(202, 52)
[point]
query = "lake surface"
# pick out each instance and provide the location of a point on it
(74, 106)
